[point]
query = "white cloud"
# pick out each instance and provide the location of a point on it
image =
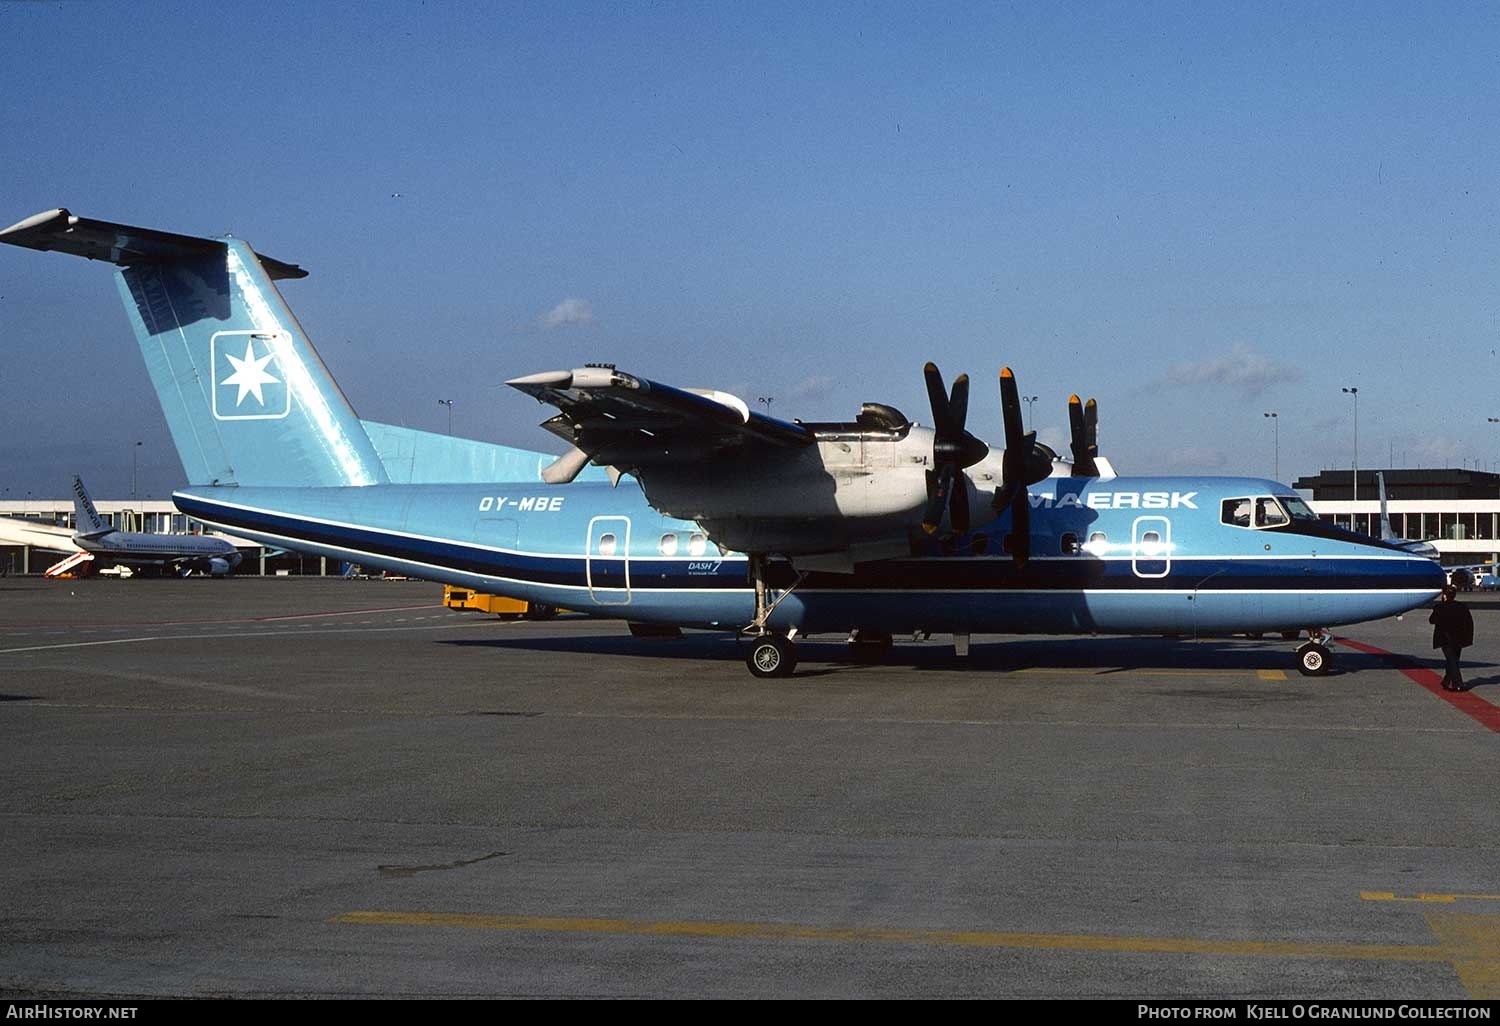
(817, 387)
(1242, 369)
(1195, 458)
(569, 311)
(1435, 450)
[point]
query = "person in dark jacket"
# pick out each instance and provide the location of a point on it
(1452, 631)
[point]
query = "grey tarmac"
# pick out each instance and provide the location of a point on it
(314, 787)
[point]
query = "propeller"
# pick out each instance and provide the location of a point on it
(1083, 418)
(953, 450)
(1026, 461)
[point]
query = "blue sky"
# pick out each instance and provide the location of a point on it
(1195, 214)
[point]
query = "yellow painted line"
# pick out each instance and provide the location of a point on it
(1271, 674)
(1475, 943)
(945, 938)
(1438, 899)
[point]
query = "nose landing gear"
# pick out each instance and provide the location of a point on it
(1314, 658)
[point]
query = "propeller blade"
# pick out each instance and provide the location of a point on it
(958, 403)
(958, 506)
(1077, 442)
(942, 487)
(1010, 408)
(937, 397)
(1019, 468)
(1020, 528)
(1083, 420)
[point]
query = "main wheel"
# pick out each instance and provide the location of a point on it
(771, 656)
(1313, 659)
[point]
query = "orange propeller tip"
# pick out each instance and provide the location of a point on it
(930, 528)
(1073, 399)
(1005, 372)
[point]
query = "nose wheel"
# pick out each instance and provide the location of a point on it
(1314, 659)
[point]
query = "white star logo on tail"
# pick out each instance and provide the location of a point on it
(249, 375)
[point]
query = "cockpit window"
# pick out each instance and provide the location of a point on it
(1265, 511)
(1268, 513)
(1297, 508)
(1236, 512)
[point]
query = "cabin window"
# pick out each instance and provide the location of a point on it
(1098, 544)
(697, 544)
(1151, 544)
(1236, 512)
(607, 544)
(1068, 544)
(1268, 513)
(668, 545)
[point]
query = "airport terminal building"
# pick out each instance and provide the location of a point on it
(1457, 510)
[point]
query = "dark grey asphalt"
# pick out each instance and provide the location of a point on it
(207, 782)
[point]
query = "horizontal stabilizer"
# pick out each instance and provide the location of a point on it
(63, 232)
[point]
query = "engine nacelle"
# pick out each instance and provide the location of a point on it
(843, 493)
(218, 567)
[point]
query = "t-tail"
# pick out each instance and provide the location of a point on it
(86, 519)
(246, 397)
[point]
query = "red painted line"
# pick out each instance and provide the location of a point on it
(1466, 702)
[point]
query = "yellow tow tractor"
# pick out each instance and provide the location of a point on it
(511, 609)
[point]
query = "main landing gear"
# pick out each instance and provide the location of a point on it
(1314, 659)
(771, 654)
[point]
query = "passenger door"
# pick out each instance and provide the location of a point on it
(607, 560)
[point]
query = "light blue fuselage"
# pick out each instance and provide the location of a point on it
(604, 552)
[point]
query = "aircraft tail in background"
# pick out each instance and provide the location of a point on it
(86, 519)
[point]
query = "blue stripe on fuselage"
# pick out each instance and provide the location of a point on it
(366, 524)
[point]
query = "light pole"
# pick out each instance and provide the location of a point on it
(448, 403)
(1028, 400)
(134, 453)
(768, 400)
(1276, 444)
(1355, 393)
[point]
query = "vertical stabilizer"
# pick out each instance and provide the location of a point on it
(1386, 534)
(86, 519)
(246, 397)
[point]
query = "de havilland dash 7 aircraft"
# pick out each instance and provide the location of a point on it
(729, 518)
(94, 540)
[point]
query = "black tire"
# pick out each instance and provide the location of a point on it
(1313, 659)
(771, 656)
(540, 611)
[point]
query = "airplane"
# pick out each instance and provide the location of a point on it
(677, 507)
(95, 540)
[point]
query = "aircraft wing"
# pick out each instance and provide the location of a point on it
(15, 531)
(620, 420)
